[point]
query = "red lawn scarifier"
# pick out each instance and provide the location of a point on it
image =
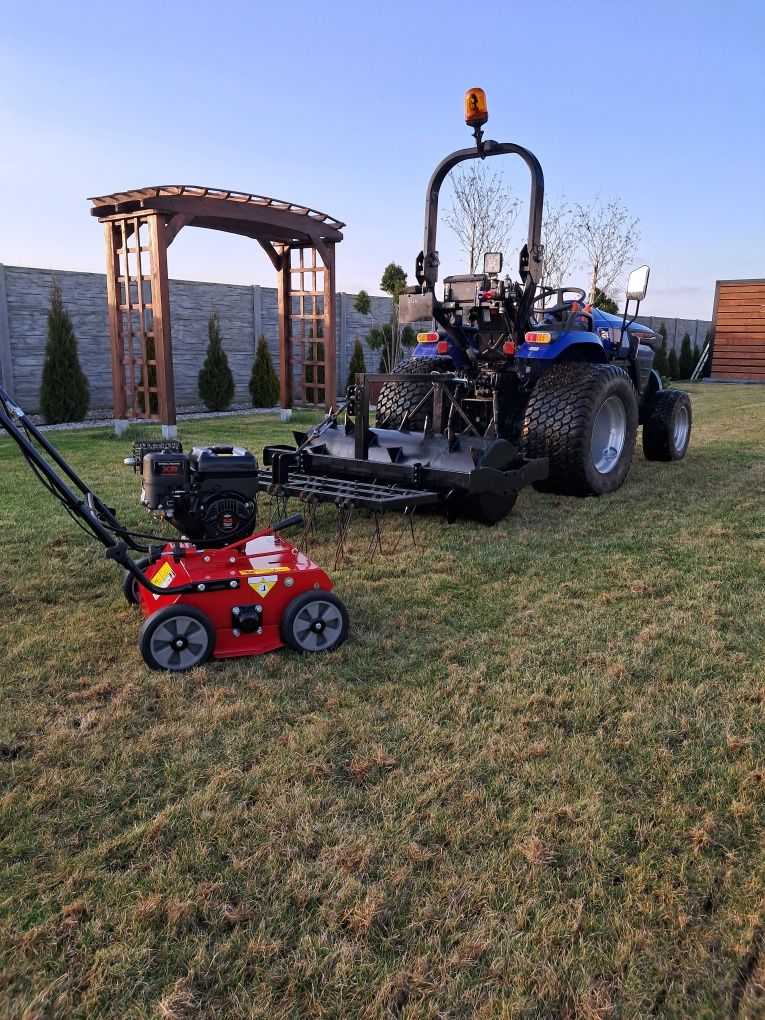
(209, 597)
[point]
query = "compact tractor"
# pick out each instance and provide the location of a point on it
(517, 383)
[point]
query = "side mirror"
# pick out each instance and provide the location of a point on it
(492, 263)
(637, 284)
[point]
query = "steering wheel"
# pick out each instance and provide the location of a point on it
(563, 303)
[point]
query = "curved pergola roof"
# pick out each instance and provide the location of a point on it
(267, 220)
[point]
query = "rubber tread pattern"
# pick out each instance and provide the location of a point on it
(397, 399)
(558, 424)
(659, 425)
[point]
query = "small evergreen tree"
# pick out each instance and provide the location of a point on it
(605, 303)
(216, 381)
(685, 361)
(381, 339)
(264, 382)
(393, 281)
(673, 368)
(357, 363)
(696, 356)
(64, 390)
(660, 359)
(362, 304)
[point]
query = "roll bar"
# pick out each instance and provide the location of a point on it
(427, 264)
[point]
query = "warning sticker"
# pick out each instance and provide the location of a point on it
(263, 584)
(273, 570)
(163, 578)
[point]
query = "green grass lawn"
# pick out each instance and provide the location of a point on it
(531, 783)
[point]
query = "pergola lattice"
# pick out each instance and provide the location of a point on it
(140, 226)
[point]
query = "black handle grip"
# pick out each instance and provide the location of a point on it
(288, 522)
(222, 449)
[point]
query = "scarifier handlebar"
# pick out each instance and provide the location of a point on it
(97, 517)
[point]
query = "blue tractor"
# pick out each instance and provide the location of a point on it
(516, 383)
(543, 369)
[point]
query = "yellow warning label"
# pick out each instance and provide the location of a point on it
(273, 570)
(163, 578)
(262, 584)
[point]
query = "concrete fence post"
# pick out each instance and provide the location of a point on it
(257, 314)
(342, 336)
(6, 361)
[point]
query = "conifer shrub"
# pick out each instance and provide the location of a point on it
(357, 363)
(685, 361)
(660, 358)
(216, 381)
(264, 382)
(673, 367)
(64, 389)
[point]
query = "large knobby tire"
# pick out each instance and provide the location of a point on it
(177, 638)
(667, 425)
(316, 621)
(398, 399)
(584, 418)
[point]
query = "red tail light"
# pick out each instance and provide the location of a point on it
(508, 347)
(443, 347)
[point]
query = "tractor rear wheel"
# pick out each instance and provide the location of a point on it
(399, 399)
(584, 418)
(667, 425)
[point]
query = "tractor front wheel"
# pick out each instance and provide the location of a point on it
(667, 425)
(584, 418)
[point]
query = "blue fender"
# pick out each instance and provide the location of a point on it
(590, 347)
(430, 350)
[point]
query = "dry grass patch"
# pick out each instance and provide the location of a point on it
(531, 784)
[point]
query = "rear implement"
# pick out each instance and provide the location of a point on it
(460, 469)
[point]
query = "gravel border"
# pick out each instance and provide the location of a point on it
(105, 418)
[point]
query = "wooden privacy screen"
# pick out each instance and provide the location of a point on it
(307, 353)
(140, 225)
(136, 287)
(739, 331)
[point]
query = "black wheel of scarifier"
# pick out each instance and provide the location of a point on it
(396, 400)
(316, 621)
(129, 584)
(491, 507)
(177, 638)
(584, 418)
(667, 425)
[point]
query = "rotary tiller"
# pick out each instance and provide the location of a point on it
(249, 596)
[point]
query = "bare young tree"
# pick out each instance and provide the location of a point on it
(483, 211)
(608, 237)
(560, 241)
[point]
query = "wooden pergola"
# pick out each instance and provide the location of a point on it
(141, 225)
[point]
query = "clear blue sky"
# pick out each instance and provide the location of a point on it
(348, 106)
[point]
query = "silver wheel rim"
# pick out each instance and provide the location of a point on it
(681, 429)
(317, 625)
(179, 643)
(608, 435)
